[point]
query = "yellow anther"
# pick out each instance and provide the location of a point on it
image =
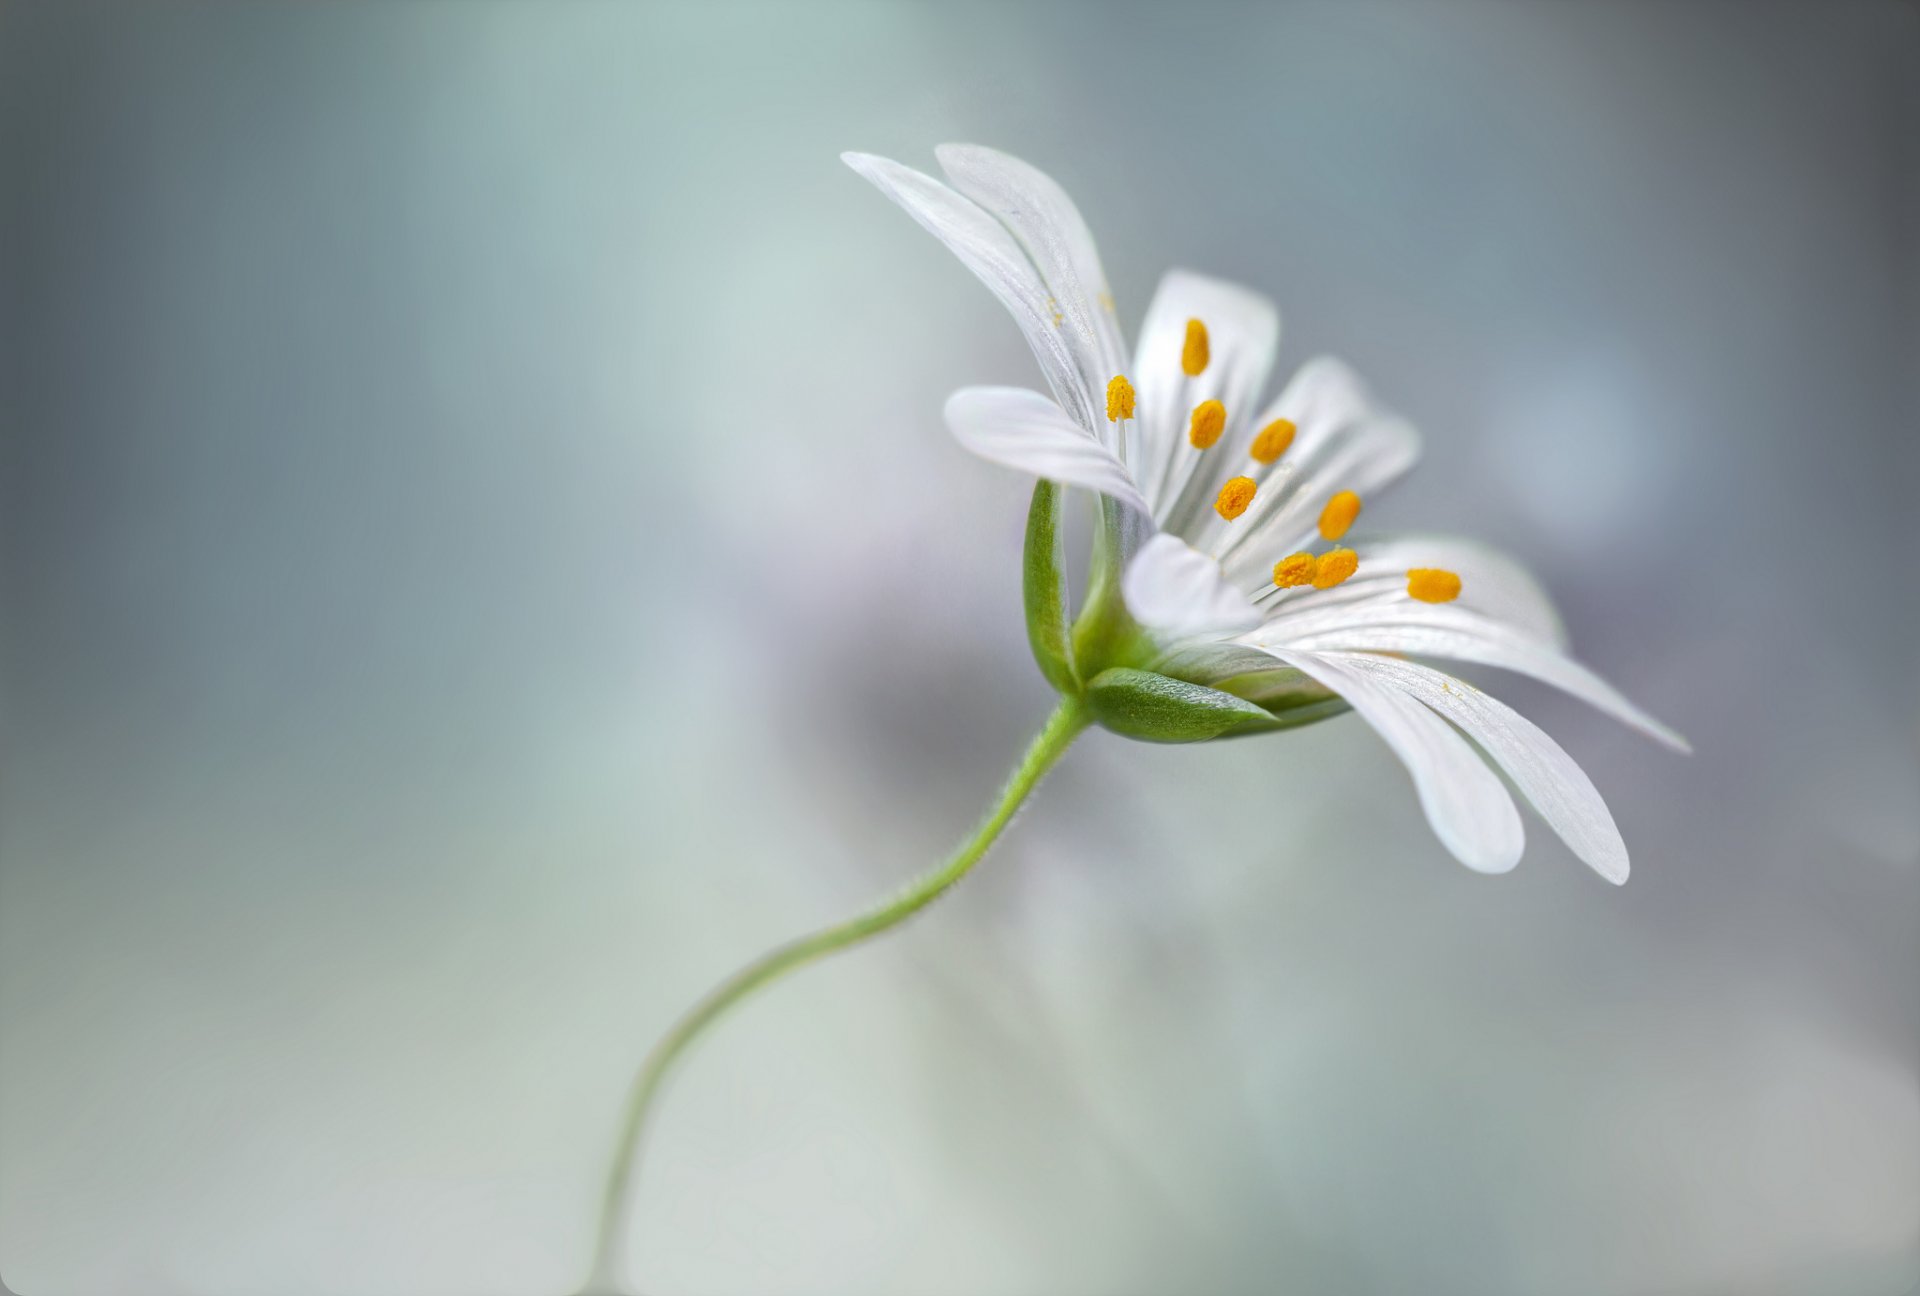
(1334, 566)
(1194, 354)
(1273, 440)
(1433, 585)
(1119, 398)
(1208, 422)
(1337, 517)
(1234, 498)
(1294, 569)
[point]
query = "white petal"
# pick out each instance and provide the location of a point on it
(1463, 798)
(1491, 584)
(1047, 224)
(1177, 592)
(985, 247)
(1558, 788)
(1440, 630)
(1324, 397)
(1023, 429)
(1243, 329)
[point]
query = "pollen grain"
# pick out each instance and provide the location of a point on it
(1234, 498)
(1334, 566)
(1194, 353)
(1433, 584)
(1208, 422)
(1336, 519)
(1273, 440)
(1293, 570)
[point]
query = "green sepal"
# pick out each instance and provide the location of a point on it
(1293, 717)
(1291, 698)
(1044, 587)
(1157, 708)
(1105, 634)
(1278, 689)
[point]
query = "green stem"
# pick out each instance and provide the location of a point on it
(609, 1257)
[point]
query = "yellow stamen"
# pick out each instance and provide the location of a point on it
(1193, 355)
(1234, 498)
(1334, 566)
(1338, 515)
(1208, 422)
(1294, 569)
(1433, 585)
(1273, 440)
(1119, 398)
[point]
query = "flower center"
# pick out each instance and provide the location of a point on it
(1427, 584)
(1208, 422)
(1119, 398)
(1194, 353)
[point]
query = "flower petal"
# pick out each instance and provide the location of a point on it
(1045, 222)
(1438, 630)
(1024, 430)
(1492, 584)
(1243, 330)
(985, 247)
(1463, 798)
(1178, 593)
(1558, 788)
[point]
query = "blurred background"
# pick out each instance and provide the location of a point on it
(482, 559)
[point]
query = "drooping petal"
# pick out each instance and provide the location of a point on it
(1043, 219)
(1558, 788)
(985, 247)
(1024, 430)
(1427, 630)
(1243, 329)
(1463, 798)
(1177, 592)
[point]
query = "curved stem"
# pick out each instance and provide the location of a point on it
(609, 1257)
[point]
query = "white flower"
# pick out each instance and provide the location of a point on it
(1231, 495)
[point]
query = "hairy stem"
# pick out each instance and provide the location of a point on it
(609, 1257)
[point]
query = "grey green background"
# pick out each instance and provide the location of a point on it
(481, 558)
